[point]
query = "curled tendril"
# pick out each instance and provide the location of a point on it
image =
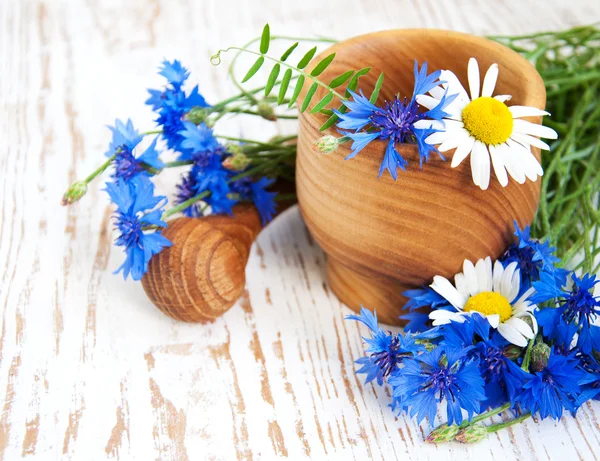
(215, 59)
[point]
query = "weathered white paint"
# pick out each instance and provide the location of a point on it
(89, 370)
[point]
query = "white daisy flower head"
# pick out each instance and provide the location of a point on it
(483, 126)
(492, 293)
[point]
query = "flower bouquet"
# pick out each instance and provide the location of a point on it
(418, 156)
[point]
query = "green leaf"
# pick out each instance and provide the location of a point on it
(285, 82)
(376, 90)
(330, 121)
(289, 51)
(272, 79)
(309, 96)
(306, 58)
(334, 118)
(354, 82)
(341, 79)
(254, 69)
(319, 68)
(328, 112)
(265, 39)
(322, 103)
(297, 90)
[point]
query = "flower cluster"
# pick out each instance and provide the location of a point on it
(519, 334)
(218, 177)
(480, 125)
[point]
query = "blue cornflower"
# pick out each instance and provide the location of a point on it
(198, 139)
(128, 166)
(221, 204)
(555, 387)
(394, 122)
(577, 305)
(533, 257)
(186, 189)
(263, 200)
(207, 174)
(432, 377)
(174, 72)
(417, 299)
(125, 136)
(172, 104)
(137, 207)
(386, 350)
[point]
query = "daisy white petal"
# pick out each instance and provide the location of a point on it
(460, 281)
(528, 140)
(483, 269)
(435, 124)
(442, 317)
(460, 136)
(437, 92)
(515, 286)
(498, 271)
(523, 126)
(512, 163)
(494, 320)
(498, 164)
(471, 277)
(521, 327)
(512, 335)
(480, 165)
(526, 111)
(462, 152)
(507, 275)
(473, 75)
(503, 97)
(427, 101)
(444, 288)
(489, 81)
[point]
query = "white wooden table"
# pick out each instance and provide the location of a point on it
(89, 369)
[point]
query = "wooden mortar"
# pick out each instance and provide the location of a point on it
(382, 236)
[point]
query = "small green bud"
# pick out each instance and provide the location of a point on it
(237, 162)
(327, 144)
(540, 354)
(77, 190)
(442, 434)
(197, 115)
(513, 352)
(265, 110)
(472, 434)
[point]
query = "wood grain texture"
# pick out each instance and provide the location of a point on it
(388, 236)
(203, 273)
(89, 369)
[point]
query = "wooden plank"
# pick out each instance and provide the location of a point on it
(88, 368)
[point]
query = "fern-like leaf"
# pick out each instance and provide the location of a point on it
(272, 79)
(265, 39)
(289, 51)
(307, 57)
(254, 69)
(341, 79)
(322, 103)
(322, 65)
(376, 90)
(309, 96)
(285, 82)
(297, 90)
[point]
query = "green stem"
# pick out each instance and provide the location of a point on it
(505, 424)
(527, 359)
(101, 169)
(283, 63)
(183, 205)
(485, 415)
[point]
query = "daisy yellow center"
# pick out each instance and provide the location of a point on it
(489, 303)
(488, 120)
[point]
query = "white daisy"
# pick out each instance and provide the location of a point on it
(484, 126)
(491, 293)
